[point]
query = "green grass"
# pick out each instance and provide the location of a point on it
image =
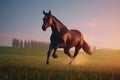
(29, 64)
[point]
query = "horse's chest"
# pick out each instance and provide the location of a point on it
(56, 39)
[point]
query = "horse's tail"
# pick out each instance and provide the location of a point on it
(86, 47)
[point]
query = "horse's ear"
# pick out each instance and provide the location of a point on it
(49, 12)
(44, 12)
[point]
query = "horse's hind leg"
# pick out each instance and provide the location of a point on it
(77, 48)
(66, 51)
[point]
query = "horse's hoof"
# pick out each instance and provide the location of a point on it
(55, 56)
(47, 62)
(90, 53)
(70, 63)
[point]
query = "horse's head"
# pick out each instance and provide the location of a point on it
(47, 20)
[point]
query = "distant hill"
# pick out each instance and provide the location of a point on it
(107, 50)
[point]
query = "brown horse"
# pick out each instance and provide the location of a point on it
(62, 37)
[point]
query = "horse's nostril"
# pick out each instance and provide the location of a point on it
(43, 28)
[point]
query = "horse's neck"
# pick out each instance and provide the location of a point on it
(58, 27)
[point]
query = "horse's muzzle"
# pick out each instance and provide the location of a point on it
(43, 28)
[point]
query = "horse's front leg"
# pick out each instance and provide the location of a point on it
(54, 53)
(55, 48)
(48, 53)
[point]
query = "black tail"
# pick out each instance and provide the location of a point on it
(86, 48)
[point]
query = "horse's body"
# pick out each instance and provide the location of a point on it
(62, 37)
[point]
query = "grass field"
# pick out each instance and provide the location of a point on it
(29, 64)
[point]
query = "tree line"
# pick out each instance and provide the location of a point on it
(28, 44)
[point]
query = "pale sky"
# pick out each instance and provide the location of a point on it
(98, 20)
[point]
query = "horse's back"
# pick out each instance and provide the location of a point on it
(74, 34)
(73, 38)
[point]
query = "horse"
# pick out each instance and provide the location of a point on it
(62, 37)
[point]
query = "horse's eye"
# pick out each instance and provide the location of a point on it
(45, 17)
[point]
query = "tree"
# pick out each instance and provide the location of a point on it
(15, 43)
(25, 44)
(29, 44)
(21, 44)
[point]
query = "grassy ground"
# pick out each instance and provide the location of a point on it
(29, 64)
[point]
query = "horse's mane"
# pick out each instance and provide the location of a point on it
(58, 20)
(60, 23)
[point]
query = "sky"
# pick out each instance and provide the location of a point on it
(98, 20)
